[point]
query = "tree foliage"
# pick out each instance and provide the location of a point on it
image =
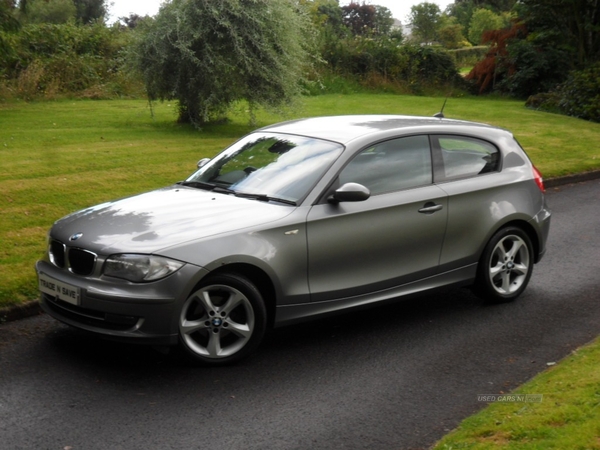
(360, 19)
(363, 19)
(497, 62)
(133, 20)
(425, 18)
(383, 20)
(483, 20)
(55, 11)
(8, 21)
(514, 65)
(208, 55)
(450, 35)
(463, 10)
(569, 25)
(89, 11)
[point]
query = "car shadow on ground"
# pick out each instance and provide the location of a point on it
(318, 338)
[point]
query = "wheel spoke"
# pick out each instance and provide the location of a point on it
(191, 326)
(517, 244)
(497, 269)
(239, 329)
(235, 299)
(521, 269)
(505, 282)
(214, 344)
(205, 301)
(500, 252)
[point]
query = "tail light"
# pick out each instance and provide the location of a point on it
(537, 176)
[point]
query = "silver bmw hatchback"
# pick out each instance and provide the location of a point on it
(299, 220)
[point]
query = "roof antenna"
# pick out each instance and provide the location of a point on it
(440, 115)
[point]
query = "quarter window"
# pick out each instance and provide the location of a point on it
(391, 166)
(466, 157)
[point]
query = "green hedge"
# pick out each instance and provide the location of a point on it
(43, 60)
(468, 56)
(411, 65)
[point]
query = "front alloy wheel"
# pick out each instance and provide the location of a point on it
(505, 267)
(223, 320)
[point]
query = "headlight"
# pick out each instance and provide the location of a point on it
(140, 268)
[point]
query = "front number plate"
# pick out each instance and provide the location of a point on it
(59, 289)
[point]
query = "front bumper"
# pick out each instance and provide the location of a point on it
(139, 312)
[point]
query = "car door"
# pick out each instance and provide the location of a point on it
(467, 169)
(393, 237)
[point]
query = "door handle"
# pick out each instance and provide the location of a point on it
(430, 208)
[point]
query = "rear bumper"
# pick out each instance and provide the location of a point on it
(542, 224)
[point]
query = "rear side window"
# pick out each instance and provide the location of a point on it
(463, 156)
(393, 165)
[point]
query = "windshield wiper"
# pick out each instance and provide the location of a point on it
(265, 198)
(207, 186)
(223, 190)
(198, 184)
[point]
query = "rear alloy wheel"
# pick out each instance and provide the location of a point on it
(505, 267)
(222, 321)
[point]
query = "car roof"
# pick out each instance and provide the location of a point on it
(344, 129)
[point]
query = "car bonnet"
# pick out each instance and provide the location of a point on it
(155, 220)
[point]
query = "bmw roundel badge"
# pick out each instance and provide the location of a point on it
(76, 236)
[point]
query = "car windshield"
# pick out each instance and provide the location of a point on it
(268, 166)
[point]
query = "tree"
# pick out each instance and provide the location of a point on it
(360, 19)
(514, 65)
(133, 20)
(55, 11)
(89, 11)
(463, 10)
(450, 34)
(425, 18)
(483, 20)
(8, 21)
(569, 25)
(326, 16)
(383, 21)
(208, 55)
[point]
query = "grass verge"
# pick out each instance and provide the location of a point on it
(568, 417)
(57, 157)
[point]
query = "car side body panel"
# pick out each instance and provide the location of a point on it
(362, 247)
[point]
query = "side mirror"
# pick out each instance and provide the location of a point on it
(202, 162)
(350, 192)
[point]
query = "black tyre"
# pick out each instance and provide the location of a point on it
(222, 321)
(505, 266)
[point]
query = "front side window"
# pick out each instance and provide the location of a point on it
(269, 166)
(393, 165)
(465, 157)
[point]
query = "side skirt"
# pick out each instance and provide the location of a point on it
(289, 314)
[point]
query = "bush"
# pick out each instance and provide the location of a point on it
(528, 71)
(44, 60)
(580, 94)
(384, 59)
(468, 56)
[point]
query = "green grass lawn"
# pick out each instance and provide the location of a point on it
(567, 418)
(57, 157)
